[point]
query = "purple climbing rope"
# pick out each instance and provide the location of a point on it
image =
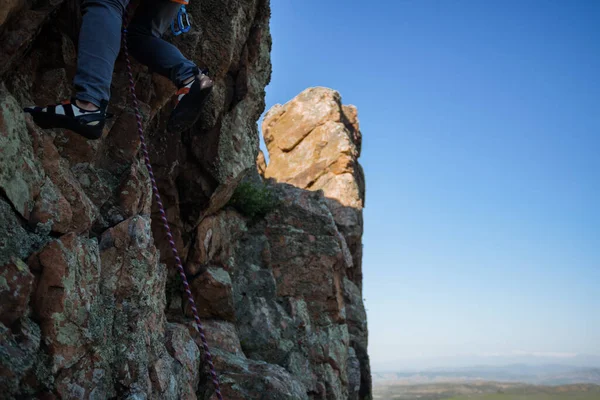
(163, 216)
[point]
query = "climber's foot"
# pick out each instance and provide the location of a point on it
(190, 99)
(69, 115)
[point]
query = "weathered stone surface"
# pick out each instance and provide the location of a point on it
(235, 47)
(219, 334)
(19, 348)
(17, 37)
(20, 175)
(16, 284)
(52, 209)
(222, 195)
(215, 238)
(131, 276)
(94, 302)
(53, 87)
(314, 143)
(76, 149)
(299, 118)
(96, 183)
(83, 211)
(186, 355)
(279, 317)
(15, 240)
(261, 163)
(135, 191)
(357, 327)
(305, 248)
(122, 142)
(213, 294)
(354, 375)
(248, 379)
(357, 316)
(8, 8)
(277, 263)
(67, 288)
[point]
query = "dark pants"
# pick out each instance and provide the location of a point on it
(100, 41)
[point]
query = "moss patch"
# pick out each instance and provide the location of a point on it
(253, 200)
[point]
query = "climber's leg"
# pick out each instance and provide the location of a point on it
(144, 37)
(152, 19)
(99, 44)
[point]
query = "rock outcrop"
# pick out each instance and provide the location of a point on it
(90, 304)
(314, 143)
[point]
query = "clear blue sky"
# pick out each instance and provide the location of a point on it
(481, 148)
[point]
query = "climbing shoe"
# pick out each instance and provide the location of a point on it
(68, 115)
(190, 98)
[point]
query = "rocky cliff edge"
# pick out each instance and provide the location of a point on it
(90, 305)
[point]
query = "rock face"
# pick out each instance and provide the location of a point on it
(90, 304)
(314, 143)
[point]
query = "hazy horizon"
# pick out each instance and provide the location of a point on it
(475, 360)
(481, 140)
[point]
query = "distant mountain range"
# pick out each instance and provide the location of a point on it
(467, 361)
(549, 374)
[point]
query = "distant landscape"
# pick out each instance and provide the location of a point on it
(485, 391)
(511, 382)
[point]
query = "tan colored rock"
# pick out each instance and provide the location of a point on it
(351, 122)
(299, 118)
(314, 143)
(261, 163)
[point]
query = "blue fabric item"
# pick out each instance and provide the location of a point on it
(100, 42)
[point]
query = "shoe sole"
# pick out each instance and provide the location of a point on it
(187, 112)
(49, 121)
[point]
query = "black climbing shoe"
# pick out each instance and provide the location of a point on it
(67, 115)
(190, 99)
